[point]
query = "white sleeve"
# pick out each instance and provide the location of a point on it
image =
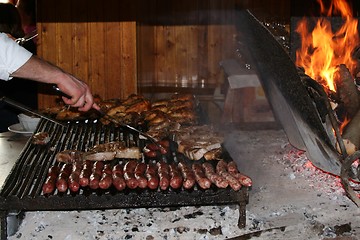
(12, 56)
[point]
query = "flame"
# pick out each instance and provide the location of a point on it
(344, 123)
(322, 50)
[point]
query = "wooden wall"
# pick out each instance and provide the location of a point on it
(116, 46)
(94, 40)
(187, 41)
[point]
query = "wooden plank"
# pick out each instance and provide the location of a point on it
(146, 55)
(64, 37)
(213, 44)
(96, 50)
(203, 19)
(46, 45)
(80, 42)
(128, 58)
(112, 51)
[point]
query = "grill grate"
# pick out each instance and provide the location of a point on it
(22, 189)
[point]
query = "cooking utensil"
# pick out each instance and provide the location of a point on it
(29, 110)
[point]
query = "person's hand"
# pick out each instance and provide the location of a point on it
(42, 71)
(79, 91)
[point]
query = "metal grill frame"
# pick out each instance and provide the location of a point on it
(22, 190)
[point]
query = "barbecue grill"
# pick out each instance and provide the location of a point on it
(22, 190)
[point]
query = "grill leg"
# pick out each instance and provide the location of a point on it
(242, 215)
(14, 219)
(3, 215)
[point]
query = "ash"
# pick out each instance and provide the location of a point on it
(318, 180)
(290, 199)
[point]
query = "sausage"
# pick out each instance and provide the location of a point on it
(73, 182)
(150, 153)
(118, 180)
(107, 169)
(106, 177)
(98, 167)
(215, 178)
(106, 180)
(152, 177)
(94, 180)
(164, 176)
(74, 178)
(176, 178)
(49, 185)
(129, 170)
(200, 177)
(188, 175)
(164, 143)
(96, 175)
(151, 149)
(152, 146)
(243, 179)
(85, 173)
(61, 182)
(232, 168)
(221, 169)
(140, 175)
(50, 182)
(118, 168)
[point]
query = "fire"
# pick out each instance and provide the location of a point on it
(322, 50)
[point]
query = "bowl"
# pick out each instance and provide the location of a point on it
(29, 123)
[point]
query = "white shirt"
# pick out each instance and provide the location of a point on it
(12, 56)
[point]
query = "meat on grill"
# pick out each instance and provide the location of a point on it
(74, 178)
(118, 177)
(69, 156)
(50, 182)
(200, 177)
(106, 177)
(129, 174)
(164, 176)
(112, 150)
(242, 178)
(140, 175)
(101, 152)
(221, 169)
(214, 177)
(85, 173)
(187, 174)
(40, 138)
(176, 178)
(96, 175)
(133, 174)
(62, 179)
(152, 176)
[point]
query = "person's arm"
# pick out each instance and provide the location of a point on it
(39, 70)
(16, 61)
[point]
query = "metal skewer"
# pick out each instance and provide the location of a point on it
(29, 110)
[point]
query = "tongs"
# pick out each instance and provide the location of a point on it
(113, 120)
(29, 110)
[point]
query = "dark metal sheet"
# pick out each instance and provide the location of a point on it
(288, 97)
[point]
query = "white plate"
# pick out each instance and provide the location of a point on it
(17, 128)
